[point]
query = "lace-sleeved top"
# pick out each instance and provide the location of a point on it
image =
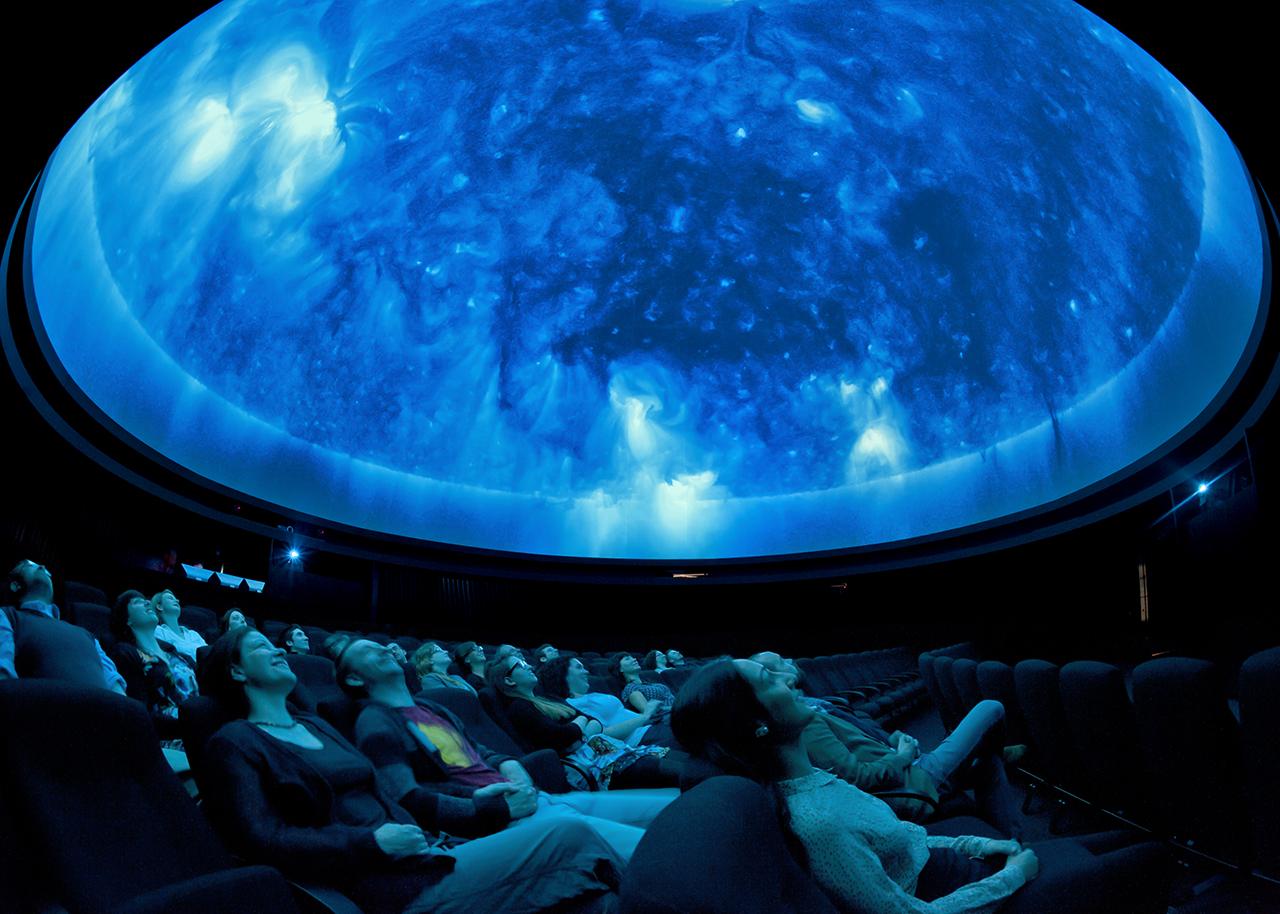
(868, 860)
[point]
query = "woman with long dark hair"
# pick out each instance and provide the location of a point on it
(155, 672)
(635, 693)
(747, 720)
(566, 679)
(286, 789)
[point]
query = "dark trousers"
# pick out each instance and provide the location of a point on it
(1105, 873)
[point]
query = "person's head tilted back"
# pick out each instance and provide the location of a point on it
(239, 662)
(28, 580)
(736, 715)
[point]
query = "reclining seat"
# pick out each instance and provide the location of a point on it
(718, 849)
(93, 819)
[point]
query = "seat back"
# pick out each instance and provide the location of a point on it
(90, 803)
(1036, 682)
(204, 621)
(317, 680)
(95, 618)
(479, 726)
(493, 707)
(1260, 731)
(718, 849)
(995, 681)
(1191, 745)
(950, 710)
(1104, 734)
(79, 592)
(964, 672)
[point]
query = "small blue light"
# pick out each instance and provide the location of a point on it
(1202, 488)
(294, 555)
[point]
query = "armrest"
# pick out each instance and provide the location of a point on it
(321, 899)
(908, 795)
(545, 769)
(582, 772)
(251, 889)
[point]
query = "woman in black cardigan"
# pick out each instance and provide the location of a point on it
(289, 791)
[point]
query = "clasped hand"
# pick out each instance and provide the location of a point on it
(522, 799)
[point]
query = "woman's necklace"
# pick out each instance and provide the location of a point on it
(271, 723)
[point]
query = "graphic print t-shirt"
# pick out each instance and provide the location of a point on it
(459, 757)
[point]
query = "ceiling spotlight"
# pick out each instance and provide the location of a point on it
(1202, 488)
(294, 555)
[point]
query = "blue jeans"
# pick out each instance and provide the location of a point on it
(974, 748)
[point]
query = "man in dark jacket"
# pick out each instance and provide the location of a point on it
(416, 744)
(35, 643)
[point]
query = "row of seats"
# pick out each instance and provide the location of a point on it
(1161, 747)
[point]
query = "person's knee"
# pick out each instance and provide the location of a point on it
(990, 708)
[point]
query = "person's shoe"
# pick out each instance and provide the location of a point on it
(1014, 754)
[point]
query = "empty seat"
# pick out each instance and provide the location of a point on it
(950, 710)
(964, 672)
(1191, 744)
(95, 618)
(1104, 735)
(95, 820)
(1260, 731)
(204, 621)
(317, 680)
(718, 849)
(995, 681)
(79, 592)
(1036, 682)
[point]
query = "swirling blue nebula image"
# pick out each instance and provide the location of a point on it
(650, 279)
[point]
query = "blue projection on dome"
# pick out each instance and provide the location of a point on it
(649, 278)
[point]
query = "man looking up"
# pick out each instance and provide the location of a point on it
(417, 745)
(35, 643)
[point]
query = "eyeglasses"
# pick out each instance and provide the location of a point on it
(511, 669)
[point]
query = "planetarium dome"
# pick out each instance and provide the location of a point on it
(650, 279)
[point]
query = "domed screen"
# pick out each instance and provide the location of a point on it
(650, 278)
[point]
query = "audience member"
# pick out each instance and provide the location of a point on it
(858, 750)
(158, 675)
(287, 790)
(565, 679)
(165, 564)
(470, 659)
(635, 693)
(654, 660)
(293, 640)
(674, 658)
(412, 681)
(170, 631)
(544, 652)
(231, 619)
(417, 744)
(749, 722)
(555, 725)
(432, 663)
(35, 643)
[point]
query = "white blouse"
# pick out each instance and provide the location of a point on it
(868, 860)
(609, 710)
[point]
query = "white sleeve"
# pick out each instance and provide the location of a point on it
(847, 870)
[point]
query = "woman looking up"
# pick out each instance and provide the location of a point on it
(288, 790)
(171, 630)
(469, 657)
(580, 738)
(636, 694)
(432, 663)
(566, 679)
(748, 721)
(155, 673)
